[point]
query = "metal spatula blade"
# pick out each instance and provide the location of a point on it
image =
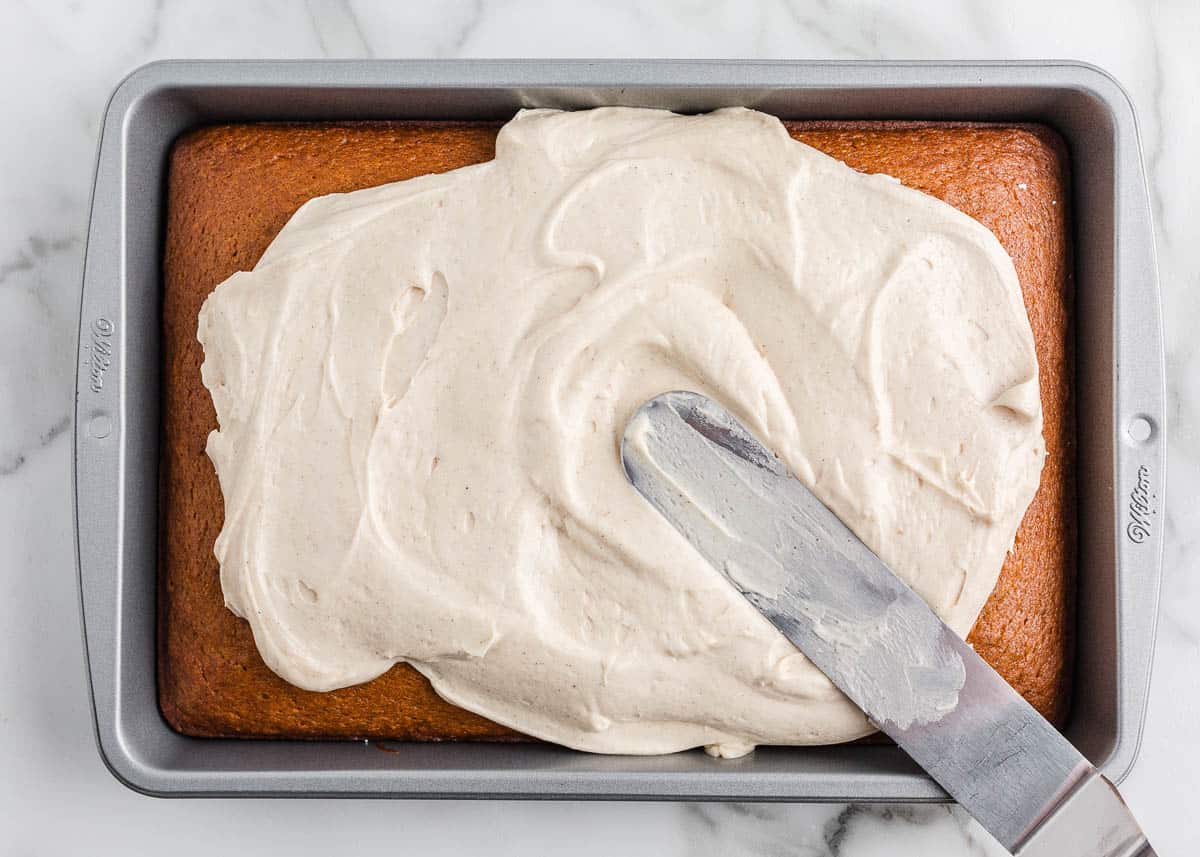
(807, 573)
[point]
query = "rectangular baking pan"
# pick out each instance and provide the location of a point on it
(1119, 381)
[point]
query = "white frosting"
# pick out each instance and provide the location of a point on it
(738, 506)
(421, 389)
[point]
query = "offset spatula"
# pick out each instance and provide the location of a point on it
(875, 638)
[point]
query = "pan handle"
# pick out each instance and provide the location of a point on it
(100, 444)
(1141, 437)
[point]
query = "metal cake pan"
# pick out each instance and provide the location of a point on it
(1119, 388)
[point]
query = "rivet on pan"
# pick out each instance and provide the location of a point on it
(100, 426)
(1140, 429)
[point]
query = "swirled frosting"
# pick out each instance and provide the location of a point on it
(421, 389)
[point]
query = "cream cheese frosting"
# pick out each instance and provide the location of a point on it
(421, 389)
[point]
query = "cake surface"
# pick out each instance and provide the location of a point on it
(233, 188)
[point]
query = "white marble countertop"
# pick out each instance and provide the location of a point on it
(60, 60)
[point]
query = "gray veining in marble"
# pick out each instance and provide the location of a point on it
(60, 59)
